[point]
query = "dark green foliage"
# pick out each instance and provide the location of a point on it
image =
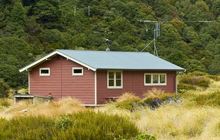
(4, 89)
(143, 136)
(13, 52)
(80, 126)
(63, 122)
(37, 27)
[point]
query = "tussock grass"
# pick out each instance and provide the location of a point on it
(5, 102)
(195, 117)
(205, 99)
(177, 122)
(78, 126)
(195, 81)
(157, 94)
(50, 109)
(128, 101)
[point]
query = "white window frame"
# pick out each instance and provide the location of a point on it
(77, 74)
(114, 87)
(43, 74)
(155, 84)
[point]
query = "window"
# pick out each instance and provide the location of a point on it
(77, 71)
(162, 78)
(148, 78)
(114, 79)
(44, 71)
(155, 79)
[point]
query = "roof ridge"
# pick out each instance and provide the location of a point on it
(100, 51)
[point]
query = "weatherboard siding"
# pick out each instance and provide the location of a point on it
(61, 83)
(133, 81)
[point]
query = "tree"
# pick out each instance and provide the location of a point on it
(4, 89)
(14, 54)
(47, 13)
(214, 68)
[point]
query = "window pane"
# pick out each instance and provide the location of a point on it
(44, 71)
(147, 79)
(111, 75)
(118, 83)
(77, 70)
(118, 75)
(155, 78)
(162, 78)
(111, 83)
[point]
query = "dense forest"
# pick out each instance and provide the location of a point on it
(32, 28)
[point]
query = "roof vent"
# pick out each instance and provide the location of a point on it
(108, 42)
(107, 49)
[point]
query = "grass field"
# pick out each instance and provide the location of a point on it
(194, 115)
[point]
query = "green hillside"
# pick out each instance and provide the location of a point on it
(32, 28)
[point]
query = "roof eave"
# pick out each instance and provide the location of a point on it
(141, 69)
(50, 55)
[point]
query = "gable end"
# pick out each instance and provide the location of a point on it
(52, 54)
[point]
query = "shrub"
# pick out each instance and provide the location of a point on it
(79, 126)
(143, 136)
(128, 101)
(211, 99)
(154, 98)
(5, 102)
(185, 87)
(63, 122)
(200, 81)
(4, 89)
(198, 73)
(214, 77)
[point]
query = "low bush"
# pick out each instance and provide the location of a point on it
(194, 80)
(80, 126)
(200, 81)
(211, 99)
(143, 136)
(214, 77)
(4, 89)
(185, 87)
(154, 98)
(5, 102)
(203, 99)
(128, 101)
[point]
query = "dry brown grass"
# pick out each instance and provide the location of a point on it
(127, 96)
(179, 121)
(157, 93)
(64, 106)
(154, 93)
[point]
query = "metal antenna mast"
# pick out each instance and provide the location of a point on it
(157, 31)
(156, 35)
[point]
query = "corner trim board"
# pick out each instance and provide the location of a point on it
(95, 88)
